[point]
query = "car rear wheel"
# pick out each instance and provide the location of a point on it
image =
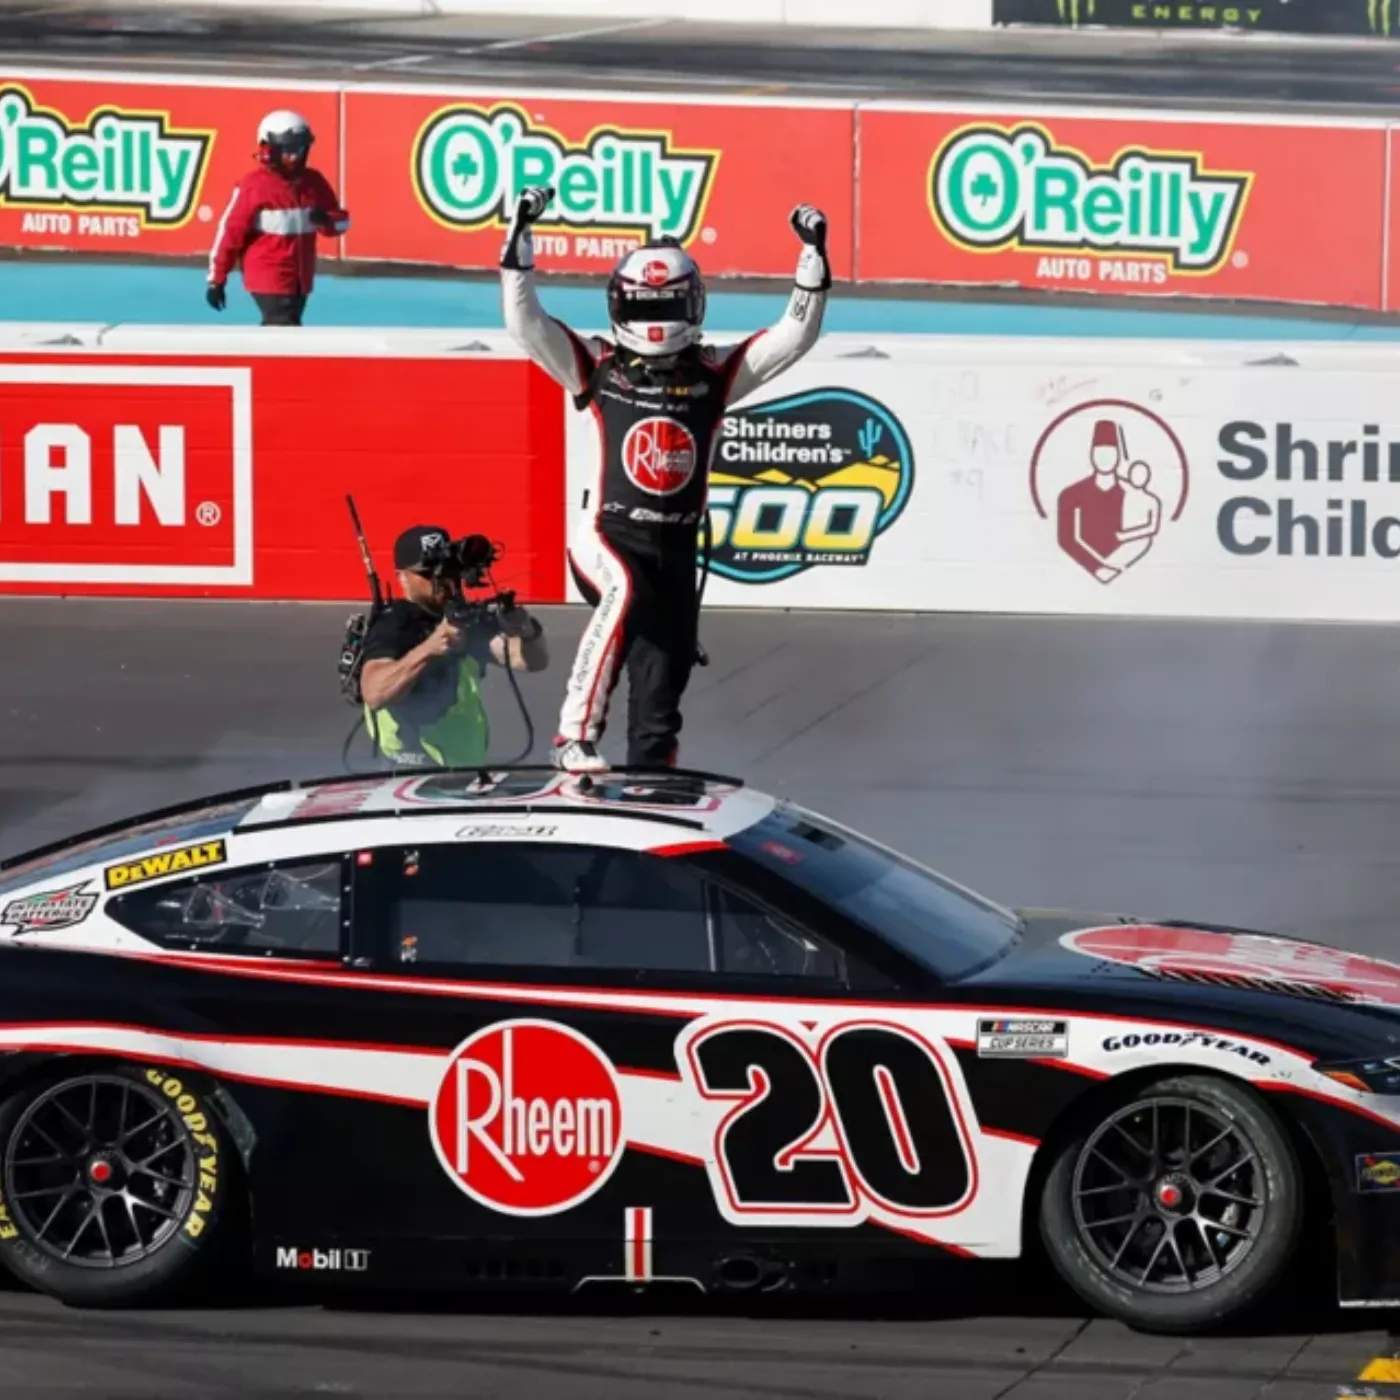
(1177, 1208)
(113, 1186)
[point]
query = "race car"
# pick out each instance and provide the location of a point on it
(518, 1029)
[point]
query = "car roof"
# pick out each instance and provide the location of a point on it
(705, 805)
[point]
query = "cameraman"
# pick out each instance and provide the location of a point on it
(421, 679)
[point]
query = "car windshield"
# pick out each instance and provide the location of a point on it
(946, 928)
(193, 825)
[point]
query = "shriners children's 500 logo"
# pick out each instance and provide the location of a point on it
(814, 478)
(470, 164)
(992, 188)
(117, 161)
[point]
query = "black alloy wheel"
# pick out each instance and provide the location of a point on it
(112, 1184)
(1178, 1208)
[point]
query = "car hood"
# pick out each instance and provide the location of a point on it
(1201, 971)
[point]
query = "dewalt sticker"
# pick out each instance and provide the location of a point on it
(176, 862)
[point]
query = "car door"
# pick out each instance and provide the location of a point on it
(599, 1012)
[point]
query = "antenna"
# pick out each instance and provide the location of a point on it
(375, 591)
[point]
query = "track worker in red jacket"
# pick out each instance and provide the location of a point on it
(272, 221)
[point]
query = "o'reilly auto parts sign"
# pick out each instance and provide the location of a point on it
(1379, 17)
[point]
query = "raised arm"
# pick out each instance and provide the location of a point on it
(766, 355)
(567, 358)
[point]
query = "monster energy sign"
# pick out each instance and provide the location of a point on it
(1377, 17)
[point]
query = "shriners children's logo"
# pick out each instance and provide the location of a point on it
(993, 188)
(1112, 474)
(815, 478)
(470, 164)
(118, 161)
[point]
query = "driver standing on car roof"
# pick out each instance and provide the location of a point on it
(658, 396)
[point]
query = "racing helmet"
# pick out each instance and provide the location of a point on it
(284, 140)
(656, 300)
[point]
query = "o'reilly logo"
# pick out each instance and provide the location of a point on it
(470, 165)
(347, 1261)
(993, 188)
(115, 161)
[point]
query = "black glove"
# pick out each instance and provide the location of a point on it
(809, 223)
(517, 255)
(214, 294)
(319, 218)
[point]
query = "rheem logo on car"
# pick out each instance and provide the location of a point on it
(125, 474)
(527, 1120)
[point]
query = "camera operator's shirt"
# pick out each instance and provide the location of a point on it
(442, 717)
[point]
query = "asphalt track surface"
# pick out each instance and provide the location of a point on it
(1128, 69)
(1223, 771)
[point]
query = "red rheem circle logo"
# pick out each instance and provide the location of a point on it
(656, 274)
(659, 456)
(528, 1119)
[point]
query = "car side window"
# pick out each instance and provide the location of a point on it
(293, 909)
(509, 905)
(754, 943)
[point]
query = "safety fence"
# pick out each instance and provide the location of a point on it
(1238, 206)
(942, 474)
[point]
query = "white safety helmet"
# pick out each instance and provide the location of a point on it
(284, 139)
(656, 300)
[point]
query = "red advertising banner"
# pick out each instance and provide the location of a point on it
(117, 167)
(1278, 212)
(200, 475)
(434, 180)
(1391, 274)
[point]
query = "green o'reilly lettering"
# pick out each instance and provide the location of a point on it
(116, 161)
(471, 165)
(992, 188)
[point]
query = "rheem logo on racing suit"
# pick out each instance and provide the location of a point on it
(528, 1119)
(658, 455)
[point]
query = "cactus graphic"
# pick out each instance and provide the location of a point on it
(1071, 9)
(870, 435)
(1378, 15)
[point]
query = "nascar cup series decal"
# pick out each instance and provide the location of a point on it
(994, 188)
(470, 164)
(812, 479)
(527, 1120)
(115, 163)
(1187, 954)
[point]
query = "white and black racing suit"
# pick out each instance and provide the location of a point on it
(636, 565)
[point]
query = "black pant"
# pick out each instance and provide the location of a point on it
(643, 589)
(280, 310)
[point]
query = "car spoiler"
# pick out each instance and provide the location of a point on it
(259, 790)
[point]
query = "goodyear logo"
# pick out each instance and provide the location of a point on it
(812, 479)
(176, 862)
(993, 188)
(470, 164)
(117, 161)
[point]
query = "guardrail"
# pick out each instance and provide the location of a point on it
(975, 474)
(1237, 206)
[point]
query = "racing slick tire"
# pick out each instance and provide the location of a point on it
(114, 1185)
(1176, 1207)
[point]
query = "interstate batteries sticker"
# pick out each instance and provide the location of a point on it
(809, 480)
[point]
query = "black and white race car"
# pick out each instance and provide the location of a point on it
(520, 1029)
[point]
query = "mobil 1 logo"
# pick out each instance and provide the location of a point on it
(804, 481)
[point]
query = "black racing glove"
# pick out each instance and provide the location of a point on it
(518, 255)
(215, 295)
(813, 270)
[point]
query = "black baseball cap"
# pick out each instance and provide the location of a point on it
(410, 546)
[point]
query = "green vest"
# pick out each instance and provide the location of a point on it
(432, 722)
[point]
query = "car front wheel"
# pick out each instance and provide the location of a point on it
(113, 1185)
(1177, 1208)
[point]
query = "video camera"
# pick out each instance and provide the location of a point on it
(466, 561)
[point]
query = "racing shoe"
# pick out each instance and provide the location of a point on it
(578, 756)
